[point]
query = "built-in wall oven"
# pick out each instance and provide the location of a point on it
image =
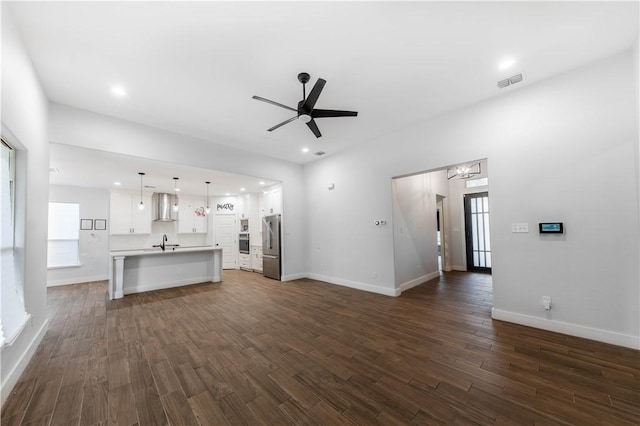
(243, 243)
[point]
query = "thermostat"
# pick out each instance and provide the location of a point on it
(551, 228)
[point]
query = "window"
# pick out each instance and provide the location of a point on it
(13, 316)
(64, 235)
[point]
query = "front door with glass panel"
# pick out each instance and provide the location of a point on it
(476, 214)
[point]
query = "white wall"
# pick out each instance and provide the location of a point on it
(94, 245)
(415, 227)
(24, 123)
(563, 149)
(82, 128)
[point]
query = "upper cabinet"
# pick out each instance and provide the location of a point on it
(192, 215)
(243, 206)
(272, 201)
(126, 217)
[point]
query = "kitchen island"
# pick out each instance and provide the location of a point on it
(136, 271)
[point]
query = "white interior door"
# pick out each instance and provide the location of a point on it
(227, 239)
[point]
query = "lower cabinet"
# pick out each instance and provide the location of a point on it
(256, 258)
(244, 260)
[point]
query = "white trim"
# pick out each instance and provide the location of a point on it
(9, 340)
(457, 268)
(605, 336)
(53, 268)
(12, 377)
(293, 277)
(79, 280)
(150, 287)
(355, 284)
(417, 281)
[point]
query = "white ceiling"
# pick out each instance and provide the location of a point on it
(192, 67)
(106, 168)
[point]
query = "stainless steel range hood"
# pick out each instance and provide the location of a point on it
(162, 207)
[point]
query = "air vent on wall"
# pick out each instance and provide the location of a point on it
(320, 153)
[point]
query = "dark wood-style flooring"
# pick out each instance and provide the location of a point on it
(254, 351)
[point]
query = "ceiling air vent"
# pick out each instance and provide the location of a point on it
(509, 81)
(320, 153)
(503, 83)
(516, 79)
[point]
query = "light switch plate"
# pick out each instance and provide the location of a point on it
(519, 227)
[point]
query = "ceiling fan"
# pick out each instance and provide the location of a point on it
(305, 111)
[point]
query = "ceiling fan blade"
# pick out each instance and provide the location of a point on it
(314, 128)
(283, 123)
(324, 113)
(311, 100)
(258, 98)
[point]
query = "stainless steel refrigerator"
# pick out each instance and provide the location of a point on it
(271, 259)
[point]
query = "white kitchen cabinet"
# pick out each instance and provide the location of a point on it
(244, 260)
(126, 217)
(242, 206)
(192, 215)
(256, 258)
(272, 201)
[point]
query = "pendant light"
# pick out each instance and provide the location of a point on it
(175, 195)
(208, 210)
(141, 205)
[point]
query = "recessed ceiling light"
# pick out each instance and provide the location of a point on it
(118, 91)
(242, 189)
(177, 189)
(117, 183)
(507, 63)
(305, 149)
(227, 194)
(261, 182)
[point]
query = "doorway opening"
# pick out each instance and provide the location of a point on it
(477, 232)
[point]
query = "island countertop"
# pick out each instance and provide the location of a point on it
(158, 250)
(139, 270)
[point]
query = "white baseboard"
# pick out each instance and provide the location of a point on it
(150, 287)
(79, 280)
(12, 377)
(292, 277)
(457, 268)
(410, 284)
(605, 336)
(355, 284)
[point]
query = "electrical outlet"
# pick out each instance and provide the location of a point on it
(546, 302)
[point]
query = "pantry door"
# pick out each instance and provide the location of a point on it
(227, 239)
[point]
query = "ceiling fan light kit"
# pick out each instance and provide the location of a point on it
(306, 111)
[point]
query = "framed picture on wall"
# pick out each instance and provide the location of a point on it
(100, 224)
(86, 224)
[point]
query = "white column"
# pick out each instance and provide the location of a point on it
(217, 265)
(118, 277)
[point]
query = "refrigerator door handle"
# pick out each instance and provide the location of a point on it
(269, 232)
(268, 256)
